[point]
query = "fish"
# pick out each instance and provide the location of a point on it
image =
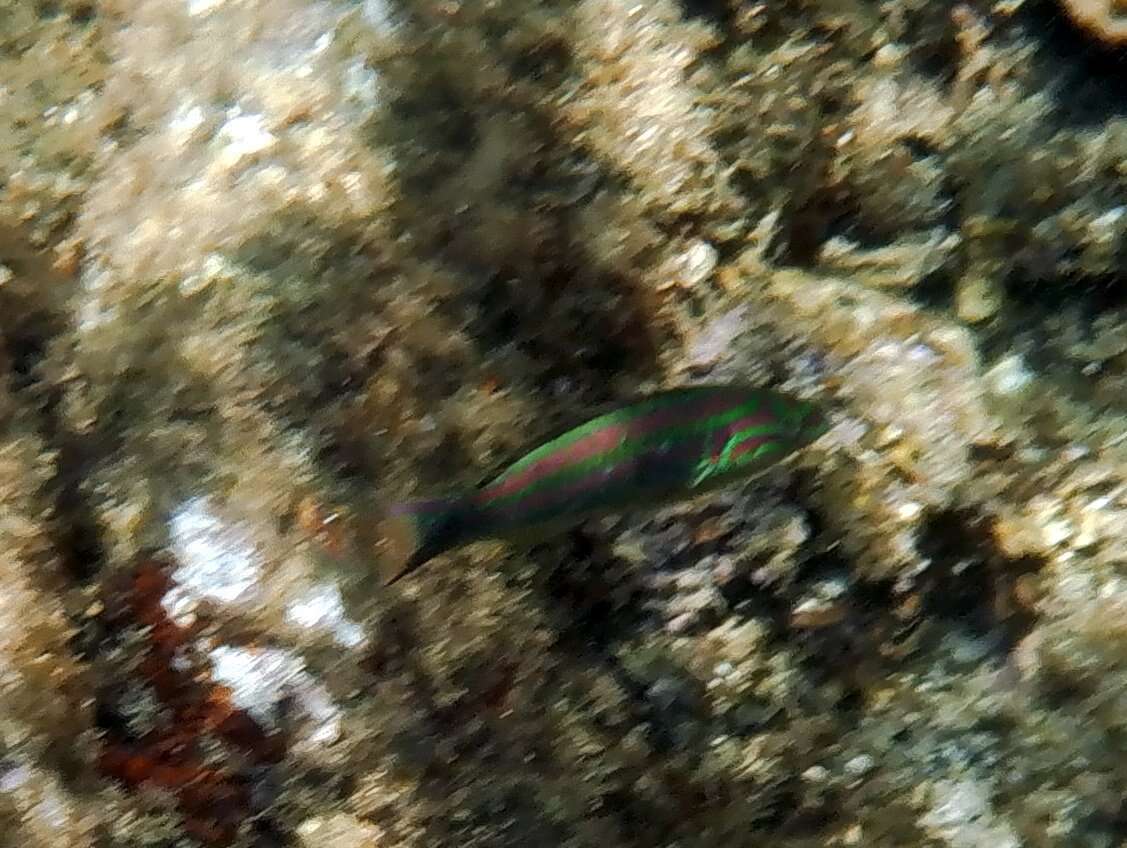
(667, 446)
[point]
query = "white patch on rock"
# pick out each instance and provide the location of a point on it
(218, 561)
(14, 777)
(962, 817)
(716, 339)
(261, 679)
(203, 7)
(243, 137)
(379, 15)
(321, 608)
(185, 122)
(363, 85)
(1010, 376)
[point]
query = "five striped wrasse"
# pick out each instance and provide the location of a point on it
(669, 445)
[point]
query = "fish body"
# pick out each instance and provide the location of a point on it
(670, 445)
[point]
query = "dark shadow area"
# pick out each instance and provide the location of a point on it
(30, 319)
(971, 583)
(1087, 78)
(481, 753)
(1090, 295)
(1084, 75)
(1046, 319)
(595, 615)
(718, 12)
(648, 802)
(931, 30)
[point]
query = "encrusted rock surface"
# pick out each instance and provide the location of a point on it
(266, 267)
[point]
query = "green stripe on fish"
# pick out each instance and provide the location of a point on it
(673, 444)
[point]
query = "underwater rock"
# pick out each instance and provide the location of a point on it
(1105, 19)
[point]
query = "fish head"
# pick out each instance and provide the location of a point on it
(808, 423)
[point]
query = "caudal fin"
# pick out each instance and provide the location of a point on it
(414, 532)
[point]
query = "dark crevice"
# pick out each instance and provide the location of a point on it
(719, 12)
(1087, 77)
(934, 36)
(25, 345)
(548, 62)
(27, 330)
(1061, 692)
(813, 215)
(592, 618)
(77, 534)
(83, 13)
(971, 581)
(1093, 294)
(46, 10)
(935, 291)
(847, 652)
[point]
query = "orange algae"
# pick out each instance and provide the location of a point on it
(214, 800)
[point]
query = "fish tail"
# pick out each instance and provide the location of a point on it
(414, 532)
